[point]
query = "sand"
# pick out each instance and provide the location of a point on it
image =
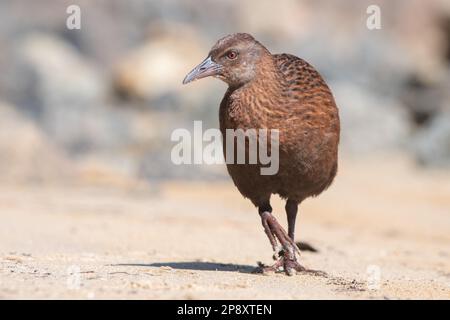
(382, 231)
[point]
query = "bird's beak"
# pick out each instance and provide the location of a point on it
(205, 69)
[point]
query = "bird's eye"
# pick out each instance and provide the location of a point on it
(232, 54)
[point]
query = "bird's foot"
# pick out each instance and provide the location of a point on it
(289, 266)
(285, 253)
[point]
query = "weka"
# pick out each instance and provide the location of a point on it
(283, 92)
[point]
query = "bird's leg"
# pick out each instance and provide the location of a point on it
(289, 246)
(288, 258)
(276, 248)
(291, 212)
(273, 241)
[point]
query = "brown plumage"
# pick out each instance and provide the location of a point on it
(284, 92)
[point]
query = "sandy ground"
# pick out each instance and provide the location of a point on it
(382, 231)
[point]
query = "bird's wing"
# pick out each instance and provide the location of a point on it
(310, 100)
(299, 75)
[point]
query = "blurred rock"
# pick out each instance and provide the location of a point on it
(69, 94)
(157, 166)
(109, 95)
(63, 76)
(153, 72)
(296, 18)
(421, 99)
(369, 123)
(432, 144)
(26, 155)
(425, 99)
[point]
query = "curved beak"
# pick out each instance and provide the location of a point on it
(205, 69)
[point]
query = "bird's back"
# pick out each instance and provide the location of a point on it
(311, 127)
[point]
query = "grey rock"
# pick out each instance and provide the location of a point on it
(370, 123)
(431, 145)
(26, 155)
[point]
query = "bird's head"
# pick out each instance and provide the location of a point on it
(233, 59)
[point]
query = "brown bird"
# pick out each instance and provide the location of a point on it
(276, 92)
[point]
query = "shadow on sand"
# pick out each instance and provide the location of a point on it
(195, 265)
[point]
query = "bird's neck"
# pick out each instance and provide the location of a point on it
(266, 82)
(256, 101)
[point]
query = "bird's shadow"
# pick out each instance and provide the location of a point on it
(195, 265)
(210, 266)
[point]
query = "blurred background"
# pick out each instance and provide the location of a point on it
(86, 177)
(99, 104)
